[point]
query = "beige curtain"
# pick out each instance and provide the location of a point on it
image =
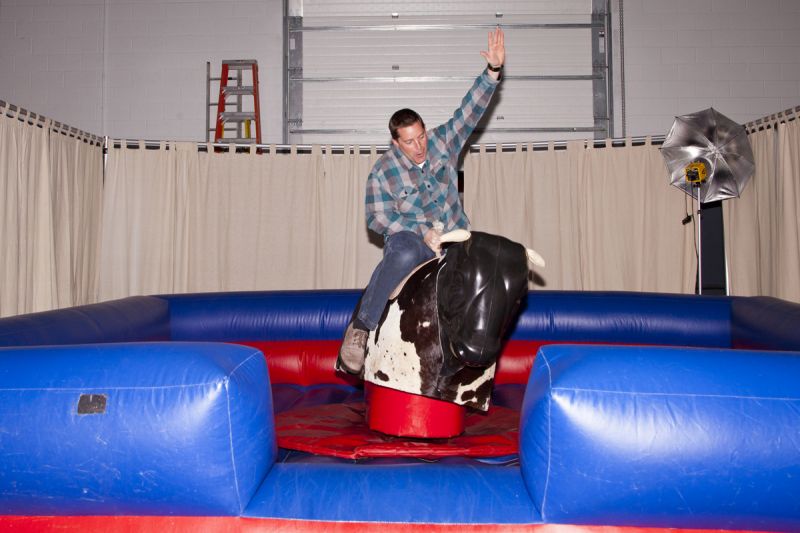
(603, 218)
(351, 251)
(138, 239)
(788, 212)
(762, 229)
(77, 192)
(27, 270)
(49, 207)
(179, 220)
(750, 228)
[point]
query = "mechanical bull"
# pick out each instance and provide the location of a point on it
(443, 328)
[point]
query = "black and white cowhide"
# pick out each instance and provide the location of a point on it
(441, 335)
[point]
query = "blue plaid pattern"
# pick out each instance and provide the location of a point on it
(402, 197)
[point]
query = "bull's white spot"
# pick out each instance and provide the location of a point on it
(472, 387)
(391, 358)
(394, 363)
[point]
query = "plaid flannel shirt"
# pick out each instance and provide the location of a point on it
(402, 197)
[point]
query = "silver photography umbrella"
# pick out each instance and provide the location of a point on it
(708, 139)
(709, 157)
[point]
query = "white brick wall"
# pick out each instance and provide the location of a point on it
(51, 58)
(156, 55)
(740, 56)
(136, 68)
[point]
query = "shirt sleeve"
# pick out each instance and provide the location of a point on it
(382, 217)
(457, 130)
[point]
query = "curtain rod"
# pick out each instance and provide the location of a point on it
(766, 121)
(62, 128)
(365, 149)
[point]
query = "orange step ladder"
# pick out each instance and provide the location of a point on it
(239, 119)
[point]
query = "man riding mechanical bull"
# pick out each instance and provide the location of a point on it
(441, 335)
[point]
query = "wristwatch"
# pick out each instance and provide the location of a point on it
(494, 68)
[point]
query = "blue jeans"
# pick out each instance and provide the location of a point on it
(402, 253)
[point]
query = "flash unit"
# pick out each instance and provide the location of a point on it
(696, 172)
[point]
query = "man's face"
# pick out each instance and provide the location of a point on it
(413, 141)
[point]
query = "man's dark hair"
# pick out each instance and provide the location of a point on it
(404, 118)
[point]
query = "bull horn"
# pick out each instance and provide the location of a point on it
(457, 235)
(534, 258)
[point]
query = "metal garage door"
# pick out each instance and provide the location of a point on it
(351, 64)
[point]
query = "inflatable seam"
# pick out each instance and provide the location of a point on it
(230, 441)
(549, 432)
(230, 430)
(679, 394)
(109, 387)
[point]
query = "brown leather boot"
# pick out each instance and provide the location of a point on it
(353, 350)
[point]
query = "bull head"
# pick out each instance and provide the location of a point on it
(480, 285)
(442, 330)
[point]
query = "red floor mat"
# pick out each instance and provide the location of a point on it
(340, 430)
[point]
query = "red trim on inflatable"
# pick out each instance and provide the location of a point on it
(305, 362)
(231, 524)
(310, 362)
(516, 359)
(395, 412)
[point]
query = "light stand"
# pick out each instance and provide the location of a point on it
(707, 154)
(699, 219)
(696, 173)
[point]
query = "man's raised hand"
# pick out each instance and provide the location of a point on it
(496, 55)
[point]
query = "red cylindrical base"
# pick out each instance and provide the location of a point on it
(404, 414)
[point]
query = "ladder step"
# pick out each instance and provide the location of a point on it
(239, 64)
(237, 90)
(216, 104)
(236, 140)
(240, 91)
(237, 116)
